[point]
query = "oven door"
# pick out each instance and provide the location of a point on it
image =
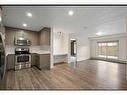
(22, 61)
(22, 58)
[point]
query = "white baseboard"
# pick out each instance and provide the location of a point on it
(110, 60)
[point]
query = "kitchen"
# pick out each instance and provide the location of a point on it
(25, 48)
(19, 49)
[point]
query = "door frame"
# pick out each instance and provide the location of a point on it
(69, 52)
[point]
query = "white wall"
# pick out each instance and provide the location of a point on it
(60, 42)
(122, 44)
(107, 28)
(112, 27)
(83, 46)
(83, 43)
(60, 46)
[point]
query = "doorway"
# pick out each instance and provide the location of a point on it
(73, 51)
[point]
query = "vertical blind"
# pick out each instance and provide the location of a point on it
(108, 49)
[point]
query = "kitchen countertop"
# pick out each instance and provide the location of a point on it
(40, 52)
(60, 54)
(9, 52)
(33, 49)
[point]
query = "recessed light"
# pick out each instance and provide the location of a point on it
(73, 39)
(99, 33)
(70, 13)
(24, 24)
(29, 14)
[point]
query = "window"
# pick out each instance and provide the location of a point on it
(102, 49)
(108, 49)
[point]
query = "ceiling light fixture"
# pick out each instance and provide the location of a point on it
(99, 33)
(29, 14)
(70, 13)
(24, 24)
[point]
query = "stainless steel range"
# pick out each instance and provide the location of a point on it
(22, 58)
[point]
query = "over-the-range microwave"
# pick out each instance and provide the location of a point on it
(22, 42)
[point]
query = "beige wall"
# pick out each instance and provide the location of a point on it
(11, 33)
(122, 44)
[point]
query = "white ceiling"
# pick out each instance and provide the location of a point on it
(85, 18)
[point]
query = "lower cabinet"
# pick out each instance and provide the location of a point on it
(45, 61)
(10, 61)
(42, 61)
(37, 60)
(33, 59)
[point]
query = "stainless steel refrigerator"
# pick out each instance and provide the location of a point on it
(2, 62)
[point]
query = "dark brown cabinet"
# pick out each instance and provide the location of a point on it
(10, 61)
(42, 61)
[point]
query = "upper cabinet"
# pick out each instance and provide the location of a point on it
(45, 36)
(42, 37)
(12, 33)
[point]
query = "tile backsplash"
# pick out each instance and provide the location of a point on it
(11, 49)
(39, 48)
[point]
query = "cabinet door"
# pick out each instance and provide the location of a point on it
(37, 60)
(10, 35)
(45, 61)
(10, 62)
(33, 59)
(45, 35)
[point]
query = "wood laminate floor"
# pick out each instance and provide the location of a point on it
(86, 75)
